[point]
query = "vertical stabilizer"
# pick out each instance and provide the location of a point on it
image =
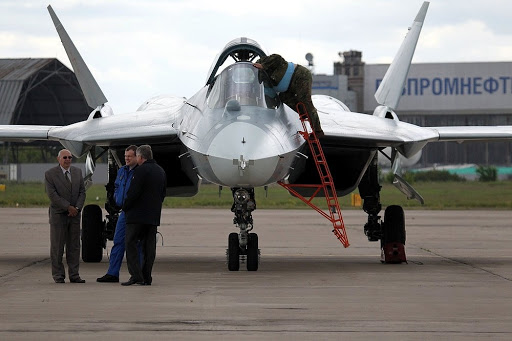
(390, 90)
(93, 94)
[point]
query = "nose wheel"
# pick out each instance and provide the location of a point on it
(250, 254)
(233, 252)
(243, 246)
(253, 253)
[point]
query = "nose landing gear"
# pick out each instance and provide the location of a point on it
(243, 246)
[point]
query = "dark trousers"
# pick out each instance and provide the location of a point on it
(117, 251)
(64, 233)
(147, 236)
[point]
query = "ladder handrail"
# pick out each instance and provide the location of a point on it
(324, 173)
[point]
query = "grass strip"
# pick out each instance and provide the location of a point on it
(437, 195)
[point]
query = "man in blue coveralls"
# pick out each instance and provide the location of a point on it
(123, 180)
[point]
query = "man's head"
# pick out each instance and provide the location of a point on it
(64, 158)
(130, 156)
(144, 153)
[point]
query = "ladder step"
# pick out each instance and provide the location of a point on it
(318, 157)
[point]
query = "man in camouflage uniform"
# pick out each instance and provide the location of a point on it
(295, 89)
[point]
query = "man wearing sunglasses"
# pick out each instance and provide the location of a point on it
(66, 190)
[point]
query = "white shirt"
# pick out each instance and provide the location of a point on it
(64, 172)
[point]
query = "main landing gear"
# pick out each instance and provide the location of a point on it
(244, 245)
(390, 232)
(393, 235)
(95, 229)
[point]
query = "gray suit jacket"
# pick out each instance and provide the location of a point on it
(61, 193)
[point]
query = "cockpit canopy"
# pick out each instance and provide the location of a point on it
(245, 84)
(240, 49)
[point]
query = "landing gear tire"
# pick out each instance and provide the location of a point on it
(92, 234)
(394, 225)
(393, 236)
(252, 252)
(233, 252)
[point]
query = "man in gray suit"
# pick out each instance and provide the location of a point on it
(66, 190)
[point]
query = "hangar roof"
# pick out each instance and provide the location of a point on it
(40, 91)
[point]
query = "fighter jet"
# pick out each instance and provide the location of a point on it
(236, 133)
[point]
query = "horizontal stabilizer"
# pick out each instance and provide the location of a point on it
(92, 92)
(473, 133)
(24, 133)
(390, 90)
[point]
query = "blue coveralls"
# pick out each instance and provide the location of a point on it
(121, 185)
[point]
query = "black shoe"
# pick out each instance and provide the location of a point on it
(60, 280)
(131, 282)
(77, 280)
(108, 279)
(148, 281)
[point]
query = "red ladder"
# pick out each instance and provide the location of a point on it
(325, 177)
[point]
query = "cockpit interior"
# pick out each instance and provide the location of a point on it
(245, 84)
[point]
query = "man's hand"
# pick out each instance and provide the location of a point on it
(72, 211)
(258, 66)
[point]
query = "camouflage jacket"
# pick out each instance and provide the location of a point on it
(275, 66)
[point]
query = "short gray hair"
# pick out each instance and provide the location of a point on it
(62, 150)
(145, 152)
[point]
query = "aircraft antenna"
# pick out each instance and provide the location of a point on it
(311, 65)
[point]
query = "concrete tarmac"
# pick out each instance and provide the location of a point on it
(457, 284)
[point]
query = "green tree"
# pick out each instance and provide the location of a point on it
(487, 173)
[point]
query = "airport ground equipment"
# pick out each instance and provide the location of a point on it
(327, 184)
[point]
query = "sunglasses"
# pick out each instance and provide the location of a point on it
(67, 157)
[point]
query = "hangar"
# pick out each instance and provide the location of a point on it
(39, 91)
(435, 94)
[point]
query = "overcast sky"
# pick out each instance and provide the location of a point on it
(139, 49)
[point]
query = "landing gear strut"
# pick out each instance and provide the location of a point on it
(95, 230)
(243, 245)
(391, 232)
(369, 189)
(110, 204)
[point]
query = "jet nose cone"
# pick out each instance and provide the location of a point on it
(243, 153)
(243, 138)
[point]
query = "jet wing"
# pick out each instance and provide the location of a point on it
(345, 128)
(132, 128)
(353, 129)
(118, 130)
(349, 129)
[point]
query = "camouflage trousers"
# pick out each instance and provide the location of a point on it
(300, 91)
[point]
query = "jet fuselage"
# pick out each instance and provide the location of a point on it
(237, 132)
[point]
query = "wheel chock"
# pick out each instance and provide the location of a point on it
(393, 253)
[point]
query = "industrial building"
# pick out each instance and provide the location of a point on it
(435, 94)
